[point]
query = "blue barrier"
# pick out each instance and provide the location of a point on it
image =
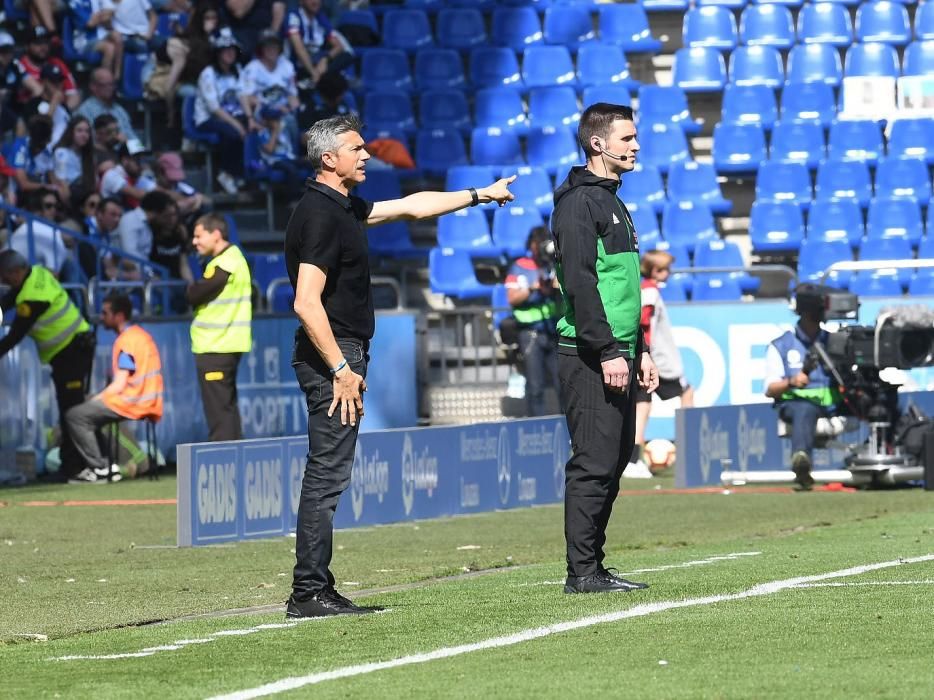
(250, 488)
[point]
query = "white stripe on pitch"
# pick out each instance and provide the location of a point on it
(539, 632)
(848, 584)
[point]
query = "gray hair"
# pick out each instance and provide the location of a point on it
(322, 136)
(10, 261)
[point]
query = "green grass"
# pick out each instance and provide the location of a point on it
(817, 642)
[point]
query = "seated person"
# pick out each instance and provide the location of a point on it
(314, 46)
(33, 161)
(93, 32)
(50, 248)
(276, 146)
(169, 172)
(107, 139)
(269, 81)
(13, 80)
(37, 56)
(126, 180)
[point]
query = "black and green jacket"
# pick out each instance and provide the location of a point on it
(598, 268)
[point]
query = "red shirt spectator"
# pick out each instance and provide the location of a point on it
(36, 56)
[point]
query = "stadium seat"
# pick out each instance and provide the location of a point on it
(495, 147)
(627, 26)
(903, 178)
(810, 103)
(444, 109)
(500, 108)
(462, 177)
(360, 18)
(798, 142)
(613, 94)
(922, 282)
(749, 104)
(924, 21)
(662, 145)
(912, 138)
(603, 64)
(439, 69)
(387, 111)
(696, 182)
(919, 58)
(880, 283)
(784, 182)
(757, 65)
(871, 60)
(815, 256)
(681, 254)
(552, 148)
(894, 218)
(775, 227)
(767, 25)
(856, 139)
(645, 222)
(547, 65)
(532, 188)
(716, 289)
(687, 223)
(674, 290)
(891, 248)
(468, 230)
(553, 106)
(568, 25)
(450, 272)
(516, 27)
(738, 148)
(814, 63)
(438, 149)
(381, 185)
(131, 83)
(665, 104)
(883, 21)
(644, 185)
(492, 66)
(394, 240)
(71, 55)
(386, 69)
(709, 26)
(699, 69)
(719, 253)
(665, 5)
(844, 179)
(205, 140)
(825, 23)
(511, 227)
(836, 220)
(428, 6)
(461, 28)
(406, 29)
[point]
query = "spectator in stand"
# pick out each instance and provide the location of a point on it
(98, 221)
(42, 13)
(152, 231)
(125, 180)
(135, 21)
(52, 250)
(52, 100)
(103, 87)
(36, 56)
(93, 31)
(218, 108)
(74, 155)
(32, 158)
(107, 139)
(276, 147)
(329, 100)
(7, 195)
(314, 46)
(14, 81)
(250, 18)
(269, 81)
(169, 172)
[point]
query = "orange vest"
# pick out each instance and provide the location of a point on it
(142, 397)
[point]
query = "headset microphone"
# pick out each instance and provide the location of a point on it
(614, 156)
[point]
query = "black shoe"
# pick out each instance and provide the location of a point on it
(322, 604)
(348, 602)
(600, 582)
(633, 585)
(801, 466)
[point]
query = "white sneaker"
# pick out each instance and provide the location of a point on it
(111, 473)
(637, 470)
(86, 476)
(227, 181)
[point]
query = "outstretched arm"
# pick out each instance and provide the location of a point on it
(424, 205)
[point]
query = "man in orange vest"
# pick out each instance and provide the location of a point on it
(134, 393)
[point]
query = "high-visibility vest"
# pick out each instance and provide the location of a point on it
(58, 325)
(224, 323)
(142, 397)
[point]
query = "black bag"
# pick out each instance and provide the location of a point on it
(509, 330)
(911, 429)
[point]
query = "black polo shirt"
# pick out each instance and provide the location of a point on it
(328, 230)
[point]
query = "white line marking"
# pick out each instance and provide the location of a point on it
(762, 589)
(847, 584)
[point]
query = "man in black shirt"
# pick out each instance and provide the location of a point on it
(327, 260)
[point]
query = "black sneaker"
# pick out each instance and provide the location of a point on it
(323, 604)
(633, 585)
(600, 582)
(348, 602)
(801, 466)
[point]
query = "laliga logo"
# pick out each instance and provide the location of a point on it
(408, 474)
(503, 465)
(559, 451)
(356, 483)
(714, 445)
(750, 438)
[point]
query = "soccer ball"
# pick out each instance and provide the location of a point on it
(659, 454)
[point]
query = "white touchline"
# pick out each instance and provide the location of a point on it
(848, 584)
(539, 632)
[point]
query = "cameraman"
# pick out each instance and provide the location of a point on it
(802, 389)
(534, 294)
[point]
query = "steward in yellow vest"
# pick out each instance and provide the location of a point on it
(63, 338)
(221, 328)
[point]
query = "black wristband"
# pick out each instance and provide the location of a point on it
(474, 197)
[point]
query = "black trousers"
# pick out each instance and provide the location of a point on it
(541, 367)
(602, 425)
(217, 376)
(71, 374)
(328, 468)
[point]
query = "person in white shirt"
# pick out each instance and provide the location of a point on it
(269, 81)
(135, 20)
(74, 155)
(125, 180)
(314, 45)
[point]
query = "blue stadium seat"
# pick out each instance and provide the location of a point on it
(644, 184)
(922, 282)
(627, 26)
(444, 109)
(786, 3)
(407, 30)
(825, 23)
(603, 64)
(775, 227)
(532, 188)
(387, 111)
(891, 248)
(894, 218)
(903, 178)
(645, 222)
(462, 177)
(696, 182)
(461, 28)
(767, 25)
(71, 55)
(749, 104)
(883, 21)
(386, 69)
(428, 6)
(719, 253)
(674, 290)
(912, 138)
(511, 226)
(666, 104)
(687, 223)
(784, 182)
(468, 230)
(495, 147)
(709, 26)
(699, 69)
(919, 58)
(361, 18)
(394, 240)
(665, 5)
(131, 83)
(500, 108)
(836, 220)
(568, 25)
(516, 27)
(880, 283)
(871, 60)
(809, 102)
(191, 131)
(814, 63)
(716, 289)
(798, 142)
(924, 21)
(552, 148)
(856, 139)
(662, 145)
(500, 300)
(681, 254)
(613, 94)
(492, 66)
(438, 149)
(439, 69)
(450, 272)
(844, 179)
(553, 106)
(757, 65)
(815, 256)
(738, 148)
(547, 65)
(380, 185)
